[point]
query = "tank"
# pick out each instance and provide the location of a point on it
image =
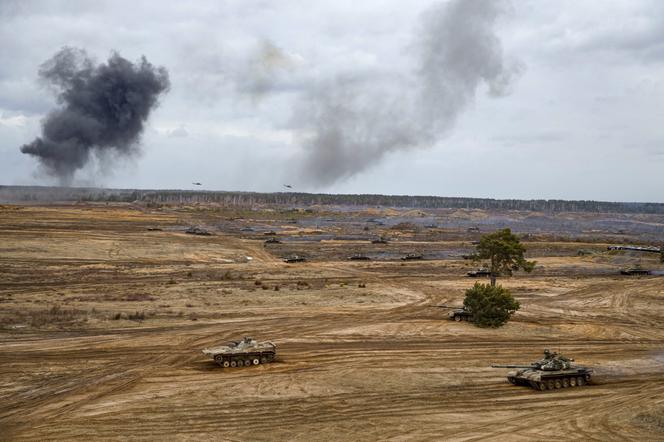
(272, 241)
(379, 240)
(636, 270)
(295, 258)
(553, 372)
(458, 313)
(243, 353)
(412, 256)
(197, 231)
(359, 257)
(483, 271)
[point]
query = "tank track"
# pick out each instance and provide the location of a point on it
(553, 382)
(245, 359)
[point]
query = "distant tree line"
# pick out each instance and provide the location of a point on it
(69, 194)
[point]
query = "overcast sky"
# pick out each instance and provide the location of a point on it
(256, 84)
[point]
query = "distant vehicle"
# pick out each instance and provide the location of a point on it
(412, 256)
(272, 241)
(359, 257)
(552, 372)
(379, 240)
(635, 271)
(271, 232)
(650, 249)
(246, 229)
(155, 229)
(245, 353)
(295, 258)
(197, 231)
(483, 271)
(197, 184)
(473, 229)
(458, 313)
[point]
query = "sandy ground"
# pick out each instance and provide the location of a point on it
(103, 322)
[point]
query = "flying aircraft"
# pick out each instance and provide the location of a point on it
(288, 186)
(197, 184)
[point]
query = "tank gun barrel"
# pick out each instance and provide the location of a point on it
(513, 366)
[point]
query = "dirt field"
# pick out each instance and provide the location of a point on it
(102, 322)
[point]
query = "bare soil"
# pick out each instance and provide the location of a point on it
(102, 322)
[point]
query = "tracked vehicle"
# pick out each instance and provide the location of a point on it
(243, 353)
(458, 313)
(553, 372)
(483, 271)
(294, 258)
(635, 271)
(412, 256)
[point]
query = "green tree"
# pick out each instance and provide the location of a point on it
(491, 306)
(505, 253)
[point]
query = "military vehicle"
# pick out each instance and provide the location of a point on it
(197, 231)
(243, 353)
(412, 256)
(483, 271)
(294, 258)
(359, 257)
(458, 313)
(379, 240)
(636, 270)
(272, 241)
(271, 232)
(552, 372)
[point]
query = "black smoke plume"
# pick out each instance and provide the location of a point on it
(103, 109)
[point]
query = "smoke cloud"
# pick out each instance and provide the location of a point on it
(103, 109)
(347, 124)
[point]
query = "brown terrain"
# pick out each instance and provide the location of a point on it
(102, 323)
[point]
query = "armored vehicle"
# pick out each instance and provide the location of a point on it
(272, 241)
(359, 257)
(552, 372)
(295, 258)
(197, 231)
(635, 271)
(379, 240)
(412, 256)
(243, 353)
(458, 313)
(479, 272)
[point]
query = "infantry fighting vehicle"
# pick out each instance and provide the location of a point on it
(359, 257)
(272, 241)
(483, 271)
(295, 258)
(458, 313)
(379, 240)
(243, 353)
(412, 256)
(552, 372)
